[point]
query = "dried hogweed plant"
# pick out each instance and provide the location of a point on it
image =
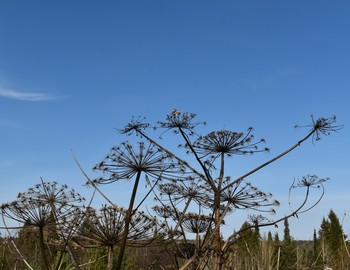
(126, 163)
(187, 191)
(48, 206)
(105, 228)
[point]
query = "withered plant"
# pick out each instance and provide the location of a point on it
(49, 208)
(202, 186)
(126, 163)
(105, 228)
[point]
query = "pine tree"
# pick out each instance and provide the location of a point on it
(336, 233)
(269, 236)
(248, 247)
(270, 252)
(324, 236)
(331, 241)
(288, 251)
(287, 239)
(335, 241)
(317, 252)
(277, 249)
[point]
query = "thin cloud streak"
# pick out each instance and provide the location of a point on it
(12, 94)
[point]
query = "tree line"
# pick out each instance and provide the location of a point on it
(329, 248)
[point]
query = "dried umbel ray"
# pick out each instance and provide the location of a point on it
(105, 227)
(227, 142)
(244, 195)
(45, 204)
(125, 161)
(195, 223)
(322, 126)
(209, 154)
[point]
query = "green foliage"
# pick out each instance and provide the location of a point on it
(336, 233)
(287, 239)
(331, 242)
(288, 255)
(248, 246)
(316, 252)
(129, 262)
(6, 256)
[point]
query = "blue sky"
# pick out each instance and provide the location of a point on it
(73, 71)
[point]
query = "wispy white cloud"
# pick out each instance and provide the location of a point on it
(25, 96)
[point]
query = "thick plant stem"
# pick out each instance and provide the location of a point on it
(127, 222)
(270, 161)
(75, 263)
(42, 249)
(218, 217)
(110, 258)
(217, 238)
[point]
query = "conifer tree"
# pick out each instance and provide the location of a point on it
(287, 239)
(270, 252)
(336, 234)
(324, 235)
(331, 237)
(248, 246)
(288, 251)
(317, 252)
(277, 249)
(269, 236)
